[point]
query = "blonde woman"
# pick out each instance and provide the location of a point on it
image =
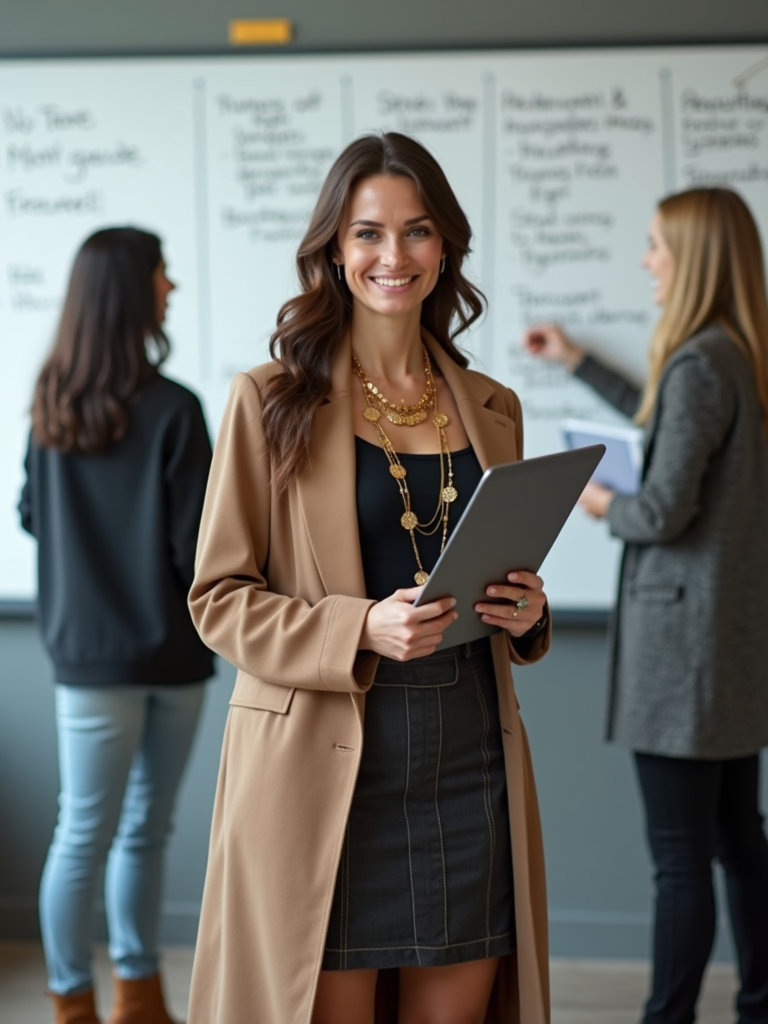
(688, 686)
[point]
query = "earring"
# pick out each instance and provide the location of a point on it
(338, 269)
(442, 264)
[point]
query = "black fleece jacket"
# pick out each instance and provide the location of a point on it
(116, 539)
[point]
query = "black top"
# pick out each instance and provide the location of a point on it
(116, 539)
(389, 563)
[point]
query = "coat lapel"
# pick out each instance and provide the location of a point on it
(491, 433)
(326, 488)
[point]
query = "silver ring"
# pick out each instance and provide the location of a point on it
(522, 603)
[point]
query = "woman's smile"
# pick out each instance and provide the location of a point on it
(392, 283)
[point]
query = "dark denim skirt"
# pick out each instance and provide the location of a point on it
(426, 870)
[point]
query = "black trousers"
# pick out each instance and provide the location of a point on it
(697, 810)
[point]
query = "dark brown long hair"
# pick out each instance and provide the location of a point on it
(311, 325)
(100, 358)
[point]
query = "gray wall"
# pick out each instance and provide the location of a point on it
(98, 26)
(599, 877)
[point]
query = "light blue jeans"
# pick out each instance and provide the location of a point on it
(122, 751)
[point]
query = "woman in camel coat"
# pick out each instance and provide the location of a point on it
(282, 591)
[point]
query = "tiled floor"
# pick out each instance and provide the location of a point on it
(583, 991)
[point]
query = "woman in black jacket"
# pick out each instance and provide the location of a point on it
(689, 661)
(116, 472)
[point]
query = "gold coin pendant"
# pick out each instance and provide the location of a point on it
(397, 471)
(421, 577)
(372, 415)
(450, 494)
(409, 521)
(440, 419)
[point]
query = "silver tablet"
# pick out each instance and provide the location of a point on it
(511, 522)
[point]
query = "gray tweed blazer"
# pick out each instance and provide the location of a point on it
(688, 656)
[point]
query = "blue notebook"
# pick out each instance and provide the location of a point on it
(622, 463)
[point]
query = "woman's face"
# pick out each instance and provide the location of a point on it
(388, 245)
(658, 260)
(163, 287)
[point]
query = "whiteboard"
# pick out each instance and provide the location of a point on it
(558, 158)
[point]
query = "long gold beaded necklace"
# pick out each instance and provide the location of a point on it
(409, 416)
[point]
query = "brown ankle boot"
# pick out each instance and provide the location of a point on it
(75, 1009)
(139, 1001)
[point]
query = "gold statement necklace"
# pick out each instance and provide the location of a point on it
(408, 416)
(400, 414)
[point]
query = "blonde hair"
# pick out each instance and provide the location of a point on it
(718, 278)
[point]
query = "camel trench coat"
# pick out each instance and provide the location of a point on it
(279, 591)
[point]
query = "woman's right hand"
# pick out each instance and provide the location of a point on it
(550, 342)
(396, 629)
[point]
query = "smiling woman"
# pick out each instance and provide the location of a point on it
(376, 843)
(311, 326)
(659, 261)
(687, 683)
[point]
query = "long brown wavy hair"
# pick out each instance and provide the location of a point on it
(311, 325)
(100, 357)
(718, 278)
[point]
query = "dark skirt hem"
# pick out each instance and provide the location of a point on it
(385, 957)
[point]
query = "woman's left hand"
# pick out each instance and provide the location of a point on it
(595, 499)
(524, 588)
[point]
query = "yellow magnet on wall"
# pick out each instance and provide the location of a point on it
(258, 31)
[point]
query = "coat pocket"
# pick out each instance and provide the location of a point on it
(251, 692)
(653, 592)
